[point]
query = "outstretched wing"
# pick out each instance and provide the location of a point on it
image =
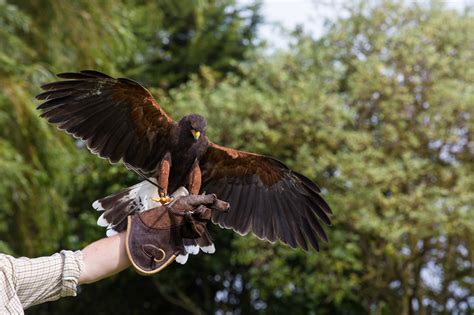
(265, 196)
(117, 118)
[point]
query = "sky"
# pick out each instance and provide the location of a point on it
(289, 14)
(310, 14)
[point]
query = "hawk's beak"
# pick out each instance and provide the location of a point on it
(196, 134)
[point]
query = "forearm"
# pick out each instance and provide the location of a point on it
(104, 258)
(25, 282)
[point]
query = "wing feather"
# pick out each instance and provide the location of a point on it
(117, 118)
(266, 197)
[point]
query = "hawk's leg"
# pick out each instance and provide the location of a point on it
(162, 176)
(194, 180)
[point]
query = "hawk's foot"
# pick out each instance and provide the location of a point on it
(164, 198)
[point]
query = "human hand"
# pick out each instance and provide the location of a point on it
(155, 237)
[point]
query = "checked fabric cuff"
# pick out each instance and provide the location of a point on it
(25, 282)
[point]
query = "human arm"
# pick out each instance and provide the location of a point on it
(104, 258)
(25, 282)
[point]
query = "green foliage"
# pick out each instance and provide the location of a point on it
(379, 111)
(35, 166)
(406, 73)
(41, 168)
(178, 37)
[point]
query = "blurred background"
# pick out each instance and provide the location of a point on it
(374, 100)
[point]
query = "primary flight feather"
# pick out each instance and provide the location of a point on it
(119, 119)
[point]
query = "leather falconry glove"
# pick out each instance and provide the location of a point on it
(155, 237)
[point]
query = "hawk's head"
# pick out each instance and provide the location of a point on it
(195, 124)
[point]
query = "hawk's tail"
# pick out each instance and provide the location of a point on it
(192, 246)
(118, 206)
(139, 197)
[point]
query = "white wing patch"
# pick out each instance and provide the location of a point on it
(211, 249)
(142, 196)
(192, 249)
(182, 259)
(102, 221)
(97, 206)
(137, 198)
(111, 232)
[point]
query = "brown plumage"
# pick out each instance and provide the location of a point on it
(119, 120)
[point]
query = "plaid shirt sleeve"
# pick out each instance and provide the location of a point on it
(25, 282)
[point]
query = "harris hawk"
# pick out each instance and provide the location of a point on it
(118, 119)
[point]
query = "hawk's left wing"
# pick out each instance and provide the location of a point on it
(265, 197)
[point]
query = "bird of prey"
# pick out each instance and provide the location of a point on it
(119, 119)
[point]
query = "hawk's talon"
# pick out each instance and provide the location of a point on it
(163, 198)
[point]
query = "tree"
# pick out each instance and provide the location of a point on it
(40, 38)
(35, 164)
(179, 37)
(48, 179)
(385, 109)
(404, 72)
(379, 111)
